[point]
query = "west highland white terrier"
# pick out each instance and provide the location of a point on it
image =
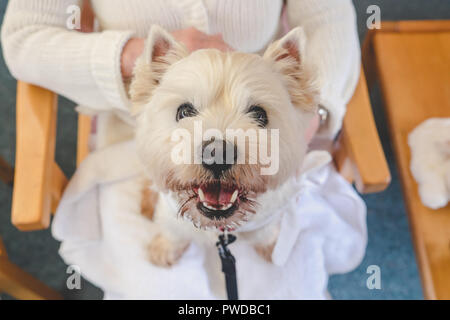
(219, 134)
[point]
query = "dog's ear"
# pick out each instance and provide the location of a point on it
(161, 50)
(287, 55)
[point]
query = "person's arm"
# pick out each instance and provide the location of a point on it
(192, 38)
(333, 47)
(38, 48)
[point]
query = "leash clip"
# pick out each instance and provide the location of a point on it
(228, 264)
(222, 245)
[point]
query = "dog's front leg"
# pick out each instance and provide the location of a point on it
(165, 251)
(170, 241)
(168, 245)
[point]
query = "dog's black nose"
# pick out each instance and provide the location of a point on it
(218, 156)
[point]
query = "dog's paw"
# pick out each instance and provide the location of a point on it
(164, 252)
(265, 251)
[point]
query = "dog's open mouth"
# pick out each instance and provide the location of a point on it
(217, 200)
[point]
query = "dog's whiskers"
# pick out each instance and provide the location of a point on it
(183, 207)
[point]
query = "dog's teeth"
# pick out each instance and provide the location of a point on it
(208, 206)
(227, 206)
(201, 194)
(234, 196)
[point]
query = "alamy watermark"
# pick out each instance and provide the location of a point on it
(258, 142)
(374, 280)
(374, 20)
(73, 22)
(74, 279)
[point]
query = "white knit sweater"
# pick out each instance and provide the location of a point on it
(38, 47)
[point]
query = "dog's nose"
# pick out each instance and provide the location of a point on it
(218, 156)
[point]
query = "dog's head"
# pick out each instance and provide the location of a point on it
(217, 129)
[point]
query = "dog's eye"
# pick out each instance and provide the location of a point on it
(259, 114)
(186, 110)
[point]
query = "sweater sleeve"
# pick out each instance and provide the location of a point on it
(333, 47)
(40, 49)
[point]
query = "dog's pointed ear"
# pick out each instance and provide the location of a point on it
(161, 50)
(287, 55)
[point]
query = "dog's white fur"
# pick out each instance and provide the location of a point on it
(222, 86)
(430, 161)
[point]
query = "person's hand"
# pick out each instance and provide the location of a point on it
(192, 38)
(131, 51)
(195, 39)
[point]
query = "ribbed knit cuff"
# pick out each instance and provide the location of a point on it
(336, 111)
(195, 14)
(335, 101)
(105, 66)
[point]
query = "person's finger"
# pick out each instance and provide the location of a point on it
(222, 46)
(228, 47)
(214, 42)
(217, 36)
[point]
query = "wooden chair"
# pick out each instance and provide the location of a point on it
(6, 172)
(14, 281)
(21, 285)
(36, 125)
(40, 182)
(38, 175)
(411, 60)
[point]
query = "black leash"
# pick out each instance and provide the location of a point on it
(228, 264)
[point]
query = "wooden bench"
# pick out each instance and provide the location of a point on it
(411, 60)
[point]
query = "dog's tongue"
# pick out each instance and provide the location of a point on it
(217, 194)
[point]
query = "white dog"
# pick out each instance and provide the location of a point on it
(174, 92)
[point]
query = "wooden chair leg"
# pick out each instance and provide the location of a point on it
(58, 184)
(21, 285)
(84, 131)
(6, 172)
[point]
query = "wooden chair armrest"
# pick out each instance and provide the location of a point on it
(84, 131)
(38, 180)
(359, 155)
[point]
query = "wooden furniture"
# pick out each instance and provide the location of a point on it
(6, 172)
(39, 182)
(19, 284)
(411, 60)
(359, 156)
